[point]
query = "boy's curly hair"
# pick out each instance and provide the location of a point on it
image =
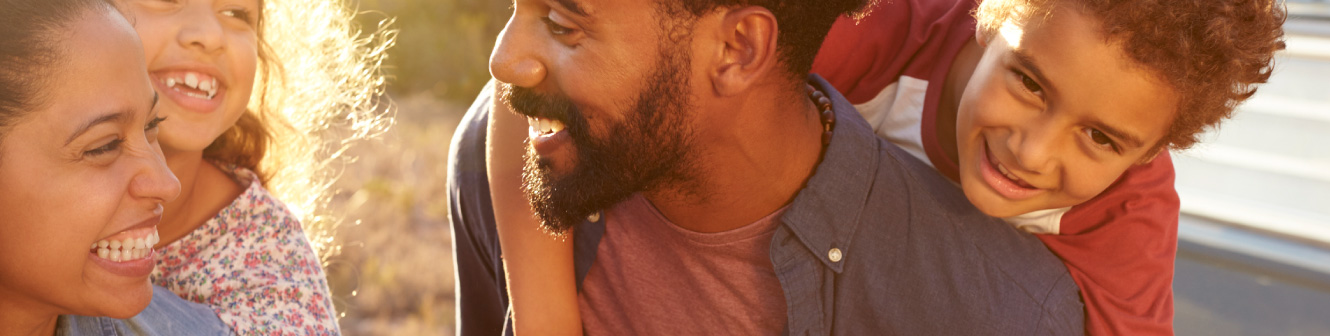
(1212, 52)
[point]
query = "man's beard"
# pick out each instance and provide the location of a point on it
(650, 147)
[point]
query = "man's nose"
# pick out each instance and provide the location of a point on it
(515, 60)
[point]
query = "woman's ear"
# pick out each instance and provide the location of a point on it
(748, 49)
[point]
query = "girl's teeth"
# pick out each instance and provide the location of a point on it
(192, 80)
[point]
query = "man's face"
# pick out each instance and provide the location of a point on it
(1054, 115)
(607, 99)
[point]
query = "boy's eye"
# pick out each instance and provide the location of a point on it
(1101, 139)
(1030, 84)
(555, 28)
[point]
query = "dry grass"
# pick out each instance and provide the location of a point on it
(394, 275)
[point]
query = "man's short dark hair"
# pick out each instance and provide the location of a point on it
(802, 24)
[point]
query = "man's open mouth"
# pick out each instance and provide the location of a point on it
(543, 126)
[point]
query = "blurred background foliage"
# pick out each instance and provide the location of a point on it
(394, 273)
(444, 45)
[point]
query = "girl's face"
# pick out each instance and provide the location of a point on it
(202, 56)
(82, 169)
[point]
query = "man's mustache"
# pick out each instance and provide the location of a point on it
(530, 103)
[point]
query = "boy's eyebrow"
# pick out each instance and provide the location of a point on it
(1028, 63)
(1130, 140)
(573, 6)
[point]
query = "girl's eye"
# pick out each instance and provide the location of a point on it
(242, 14)
(104, 149)
(1101, 139)
(1030, 84)
(555, 28)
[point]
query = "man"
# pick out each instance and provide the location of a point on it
(716, 188)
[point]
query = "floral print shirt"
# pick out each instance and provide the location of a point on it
(253, 264)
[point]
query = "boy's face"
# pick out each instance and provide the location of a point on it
(1054, 115)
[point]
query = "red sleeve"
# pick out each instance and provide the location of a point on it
(898, 38)
(1120, 248)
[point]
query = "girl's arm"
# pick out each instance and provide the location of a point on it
(542, 286)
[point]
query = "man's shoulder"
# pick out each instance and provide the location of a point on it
(939, 256)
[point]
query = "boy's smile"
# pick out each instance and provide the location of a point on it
(1054, 114)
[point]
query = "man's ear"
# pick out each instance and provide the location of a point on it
(748, 49)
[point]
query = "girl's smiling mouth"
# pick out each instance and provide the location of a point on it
(193, 90)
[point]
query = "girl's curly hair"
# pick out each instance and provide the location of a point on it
(1212, 52)
(317, 92)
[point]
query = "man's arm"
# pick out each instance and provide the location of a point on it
(479, 287)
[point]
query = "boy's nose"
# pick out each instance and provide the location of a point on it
(1036, 147)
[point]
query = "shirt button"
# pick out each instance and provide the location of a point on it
(595, 217)
(834, 255)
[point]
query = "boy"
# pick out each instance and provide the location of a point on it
(1058, 114)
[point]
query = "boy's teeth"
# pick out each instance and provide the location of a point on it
(192, 80)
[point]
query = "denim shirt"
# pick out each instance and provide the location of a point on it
(167, 315)
(877, 243)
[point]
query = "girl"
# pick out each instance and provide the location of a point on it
(83, 178)
(228, 241)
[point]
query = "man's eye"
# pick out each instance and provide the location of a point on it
(555, 28)
(1029, 83)
(1101, 139)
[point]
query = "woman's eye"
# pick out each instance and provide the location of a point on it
(104, 149)
(1101, 139)
(152, 124)
(1029, 83)
(555, 28)
(150, 130)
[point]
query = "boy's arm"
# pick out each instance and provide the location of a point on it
(1120, 248)
(541, 282)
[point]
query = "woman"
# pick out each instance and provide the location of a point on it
(228, 241)
(79, 164)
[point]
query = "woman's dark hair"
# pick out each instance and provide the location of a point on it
(30, 35)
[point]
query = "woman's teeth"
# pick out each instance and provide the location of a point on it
(126, 249)
(200, 86)
(545, 126)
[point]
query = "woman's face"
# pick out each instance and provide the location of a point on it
(202, 56)
(83, 168)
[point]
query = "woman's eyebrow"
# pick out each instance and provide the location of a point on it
(102, 119)
(116, 116)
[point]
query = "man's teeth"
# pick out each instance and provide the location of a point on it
(545, 126)
(193, 81)
(126, 249)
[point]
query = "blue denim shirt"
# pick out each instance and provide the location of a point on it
(167, 315)
(877, 243)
